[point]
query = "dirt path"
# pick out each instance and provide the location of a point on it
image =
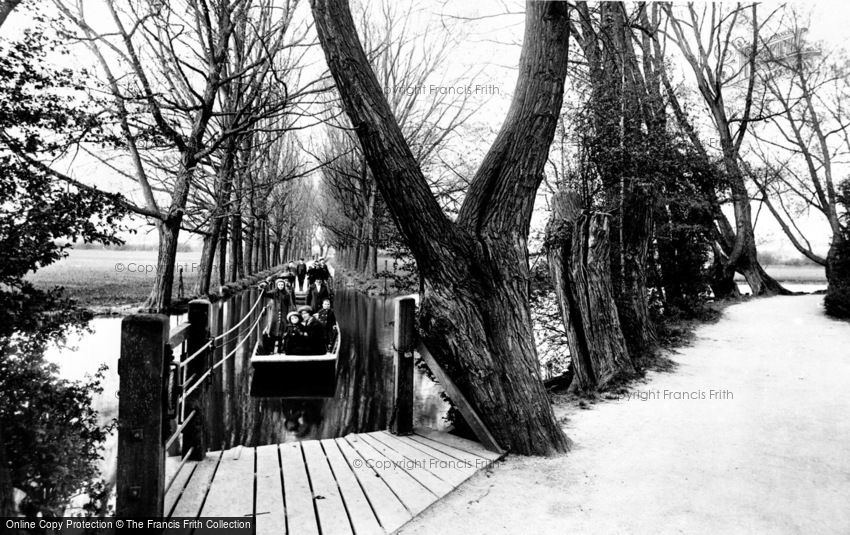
(770, 455)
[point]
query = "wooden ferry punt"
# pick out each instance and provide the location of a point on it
(279, 375)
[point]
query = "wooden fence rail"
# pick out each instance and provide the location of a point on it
(164, 377)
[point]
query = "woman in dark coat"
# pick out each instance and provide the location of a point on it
(280, 302)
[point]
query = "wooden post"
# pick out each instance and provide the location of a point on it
(142, 368)
(199, 334)
(404, 342)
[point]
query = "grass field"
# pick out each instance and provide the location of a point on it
(110, 278)
(801, 274)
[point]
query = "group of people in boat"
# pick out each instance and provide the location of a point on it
(300, 271)
(308, 329)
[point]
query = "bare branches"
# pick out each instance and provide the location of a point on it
(805, 135)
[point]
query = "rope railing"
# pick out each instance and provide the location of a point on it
(191, 357)
(160, 382)
(233, 352)
(207, 373)
(244, 318)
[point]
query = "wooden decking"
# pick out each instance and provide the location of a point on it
(368, 483)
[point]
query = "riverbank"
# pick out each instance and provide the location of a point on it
(372, 286)
(116, 282)
(746, 435)
(113, 282)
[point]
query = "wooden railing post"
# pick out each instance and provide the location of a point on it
(199, 334)
(143, 370)
(404, 342)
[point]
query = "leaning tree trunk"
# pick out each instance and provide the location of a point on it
(474, 312)
(723, 284)
(475, 319)
(205, 265)
(160, 297)
(578, 250)
(169, 229)
(743, 256)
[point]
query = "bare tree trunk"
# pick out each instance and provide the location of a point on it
(634, 296)
(222, 251)
(248, 243)
(370, 257)
(236, 269)
(356, 254)
(578, 253)
(160, 297)
(205, 266)
(837, 300)
(217, 221)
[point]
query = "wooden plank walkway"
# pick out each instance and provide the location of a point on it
(360, 484)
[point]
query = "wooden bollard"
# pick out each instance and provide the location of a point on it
(404, 342)
(141, 413)
(199, 332)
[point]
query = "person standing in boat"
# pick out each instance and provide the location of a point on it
(281, 301)
(328, 319)
(301, 272)
(319, 272)
(317, 294)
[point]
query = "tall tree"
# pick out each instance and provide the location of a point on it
(801, 149)
(623, 113)
(807, 136)
(474, 312)
(705, 39)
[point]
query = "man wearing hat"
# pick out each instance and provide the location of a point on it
(317, 293)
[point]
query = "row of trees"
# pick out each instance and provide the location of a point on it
(197, 104)
(648, 199)
(189, 108)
